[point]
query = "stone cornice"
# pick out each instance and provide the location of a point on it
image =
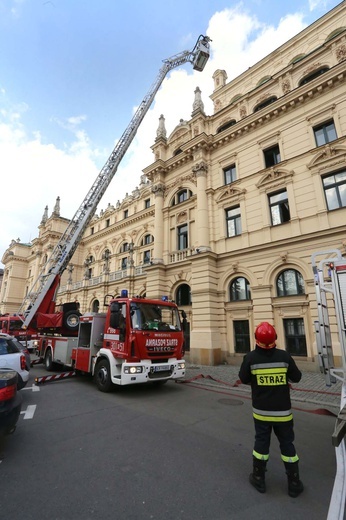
(282, 105)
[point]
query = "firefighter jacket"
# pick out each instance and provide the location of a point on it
(269, 372)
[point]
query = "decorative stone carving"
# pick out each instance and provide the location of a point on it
(200, 169)
(340, 53)
(284, 256)
(198, 105)
(158, 189)
(242, 112)
(181, 217)
(161, 131)
(286, 86)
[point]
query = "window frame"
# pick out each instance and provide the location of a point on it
(230, 172)
(325, 132)
(336, 189)
(299, 284)
(297, 338)
(235, 294)
(272, 155)
(182, 237)
(234, 219)
(146, 256)
(280, 204)
(241, 336)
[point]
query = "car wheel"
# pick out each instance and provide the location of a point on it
(103, 376)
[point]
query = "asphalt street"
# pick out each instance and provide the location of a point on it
(182, 451)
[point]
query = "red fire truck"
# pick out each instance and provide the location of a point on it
(137, 341)
(13, 325)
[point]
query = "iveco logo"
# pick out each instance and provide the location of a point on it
(160, 349)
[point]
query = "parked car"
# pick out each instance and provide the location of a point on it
(10, 401)
(12, 358)
(25, 351)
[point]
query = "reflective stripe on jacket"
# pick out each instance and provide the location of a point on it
(269, 373)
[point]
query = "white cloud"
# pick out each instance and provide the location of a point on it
(36, 173)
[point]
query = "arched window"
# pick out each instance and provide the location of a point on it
(183, 295)
(124, 247)
(313, 75)
(177, 152)
(239, 289)
(335, 33)
(226, 125)
(289, 283)
(263, 80)
(95, 306)
(297, 58)
(265, 103)
(147, 239)
(181, 196)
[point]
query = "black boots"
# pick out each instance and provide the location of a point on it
(295, 486)
(257, 478)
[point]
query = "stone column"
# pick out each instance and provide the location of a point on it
(158, 190)
(202, 220)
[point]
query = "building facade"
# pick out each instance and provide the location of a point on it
(226, 218)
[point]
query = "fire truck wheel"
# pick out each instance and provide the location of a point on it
(71, 320)
(102, 376)
(48, 361)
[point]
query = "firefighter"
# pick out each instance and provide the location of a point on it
(269, 371)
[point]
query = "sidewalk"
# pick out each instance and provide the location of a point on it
(311, 389)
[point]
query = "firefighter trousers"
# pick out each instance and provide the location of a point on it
(285, 435)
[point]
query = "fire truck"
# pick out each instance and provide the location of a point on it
(12, 324)
(137, 340)
(329, 268)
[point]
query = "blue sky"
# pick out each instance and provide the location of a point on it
(73, 71)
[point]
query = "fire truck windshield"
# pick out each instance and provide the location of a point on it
(147, 316)
(15, 325)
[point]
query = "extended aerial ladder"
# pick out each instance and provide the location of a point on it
(330, 284)
(41, 297)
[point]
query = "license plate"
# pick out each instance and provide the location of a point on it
(161, 369)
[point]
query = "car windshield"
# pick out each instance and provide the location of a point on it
(8, 346)
(146, 316)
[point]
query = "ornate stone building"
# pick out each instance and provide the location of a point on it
(227, 217)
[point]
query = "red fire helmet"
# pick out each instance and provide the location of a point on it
(265, 335)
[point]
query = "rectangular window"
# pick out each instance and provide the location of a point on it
(146, 257)
(108, 222)
(272, 156)
(335, 190)
(92, 230)
(147, 203)
(325, 133)
(126, 213)
(230, 174)
(182, 236)
(124, 263)
(241, 336)
(279, 208)
(295, 336)
(233, 221)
